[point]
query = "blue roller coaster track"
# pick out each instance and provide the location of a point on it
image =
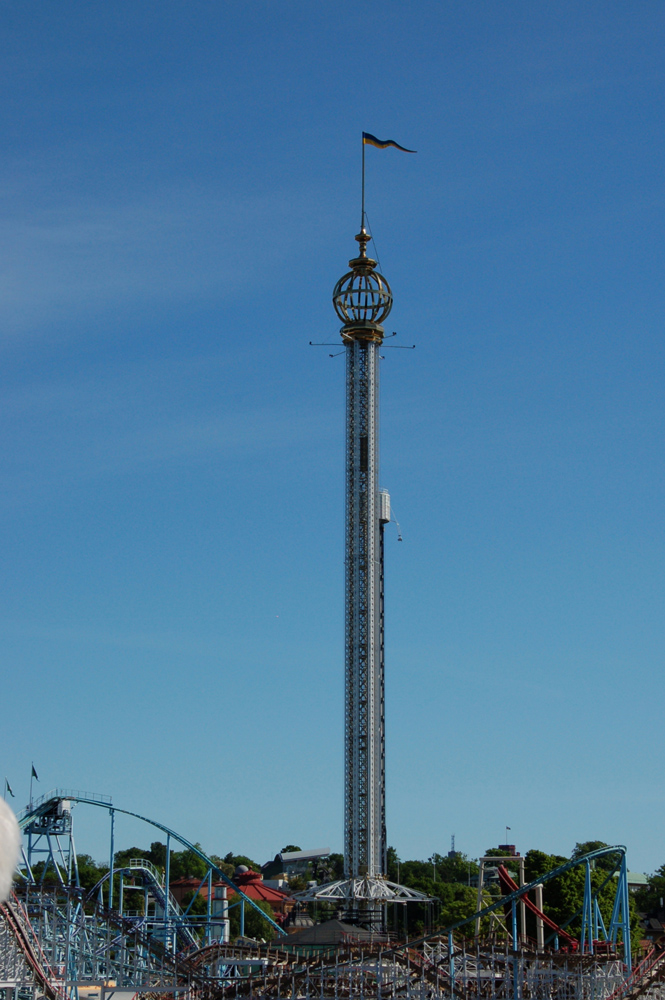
(46, 822)
(592, 922)
(69, 937)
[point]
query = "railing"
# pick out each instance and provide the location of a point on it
(148, 865)
(18, 921)
(160, 894)
(65, 793)
(640, 976)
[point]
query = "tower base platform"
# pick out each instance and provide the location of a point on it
(368, 889)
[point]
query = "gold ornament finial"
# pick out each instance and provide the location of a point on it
(362, 298)
(363, 239)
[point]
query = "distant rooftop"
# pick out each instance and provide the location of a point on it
(319, 852)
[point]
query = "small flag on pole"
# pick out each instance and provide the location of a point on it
(34, 773)
(8, 788)
(371, 140)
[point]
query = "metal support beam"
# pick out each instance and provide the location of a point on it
(540, 927)
(167, 893)
(111, 859)
(364, 798)
(586, 935)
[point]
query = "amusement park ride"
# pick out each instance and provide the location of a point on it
(61, 942)
(362, 299)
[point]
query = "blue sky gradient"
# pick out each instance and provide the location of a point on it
(180, 190)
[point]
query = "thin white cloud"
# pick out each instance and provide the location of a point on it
(76, 258)
(136, 419)
(165, 641)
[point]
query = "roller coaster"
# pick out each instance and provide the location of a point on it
(61, 942)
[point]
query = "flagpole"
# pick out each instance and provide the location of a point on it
(362, 217)
(32, 771)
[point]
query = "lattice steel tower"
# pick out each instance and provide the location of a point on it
(362, 300)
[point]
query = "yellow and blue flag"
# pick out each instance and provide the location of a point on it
(371, 140)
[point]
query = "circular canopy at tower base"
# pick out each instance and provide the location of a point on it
(366, 889)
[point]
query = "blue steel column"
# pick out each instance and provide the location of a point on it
(586, 937)
(208, 934)
(167, 892)
(621, 914)
(111, 858)
(623, 885)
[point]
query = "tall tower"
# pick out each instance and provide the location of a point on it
(362, 300)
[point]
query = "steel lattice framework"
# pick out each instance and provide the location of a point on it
(362, 299)
(57, 939)
(364, 730)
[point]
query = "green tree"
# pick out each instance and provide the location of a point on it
(606, 862)
(196, 906)
(563, 896)
(89, 871)
(393, 862)
(335, 863)
(187, 864)
(459, 868)
(222, 865)
(457, 901)
(157, 854)
(327, 869)
(443, 879)
(122, 858)
(648, 899)
(241, 859)
(183, 863)
(537, 863)
(255, 926)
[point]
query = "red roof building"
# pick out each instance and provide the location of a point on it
(250, 882)
(252, 885)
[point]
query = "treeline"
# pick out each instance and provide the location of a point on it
(450, 881)
(453, 882)
(183, 863)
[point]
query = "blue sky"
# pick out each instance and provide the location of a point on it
(180, 191)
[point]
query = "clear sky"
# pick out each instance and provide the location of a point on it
(180, 190)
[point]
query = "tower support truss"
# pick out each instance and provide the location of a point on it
(362, 300)
(364, 729)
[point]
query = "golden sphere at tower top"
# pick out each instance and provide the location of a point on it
(362, 296)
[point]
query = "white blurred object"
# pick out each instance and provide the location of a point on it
(10, 849)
